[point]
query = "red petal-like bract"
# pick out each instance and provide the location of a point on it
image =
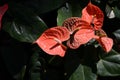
(3, 9)
(51, 40)
(73, 43)
(84, 35)
(106, 43)
(93, 15)
(74, 23)
(81, 37)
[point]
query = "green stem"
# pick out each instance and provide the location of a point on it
(51, 59)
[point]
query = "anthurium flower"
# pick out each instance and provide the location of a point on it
(3, 9)
(76, 31)
(80, 30)
(51, 40)
(93, 15)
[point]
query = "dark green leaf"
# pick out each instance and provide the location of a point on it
(25, 33)
(43, 6)
(64, 13)
(35, 67)
(35, 76)
(21, 74)
(117, 12)
(72, 9)
(23, 25)
(117, 34)
(40, 6)
(83, 73)
(109, 64)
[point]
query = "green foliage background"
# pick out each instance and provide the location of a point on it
(26, 20)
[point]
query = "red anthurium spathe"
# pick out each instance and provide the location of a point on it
(80, 32)
(104, 41)
(51, 41)
(84, 35)
(3, 9)
(74, 23)
(81, 37)
(93, 15)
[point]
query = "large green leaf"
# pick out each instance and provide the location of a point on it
(39, 6)
(117, 34)
(25, 25)
(25, 33)
(35, 67)
(43, 6)
(109, 64)
(83, 73)
(72, 9)
(116, 11)
(64, 13)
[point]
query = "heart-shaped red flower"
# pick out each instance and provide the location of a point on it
(93, 15)
(76, 31)
(51, 40)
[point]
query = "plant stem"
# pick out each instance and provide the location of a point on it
(51, 59)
